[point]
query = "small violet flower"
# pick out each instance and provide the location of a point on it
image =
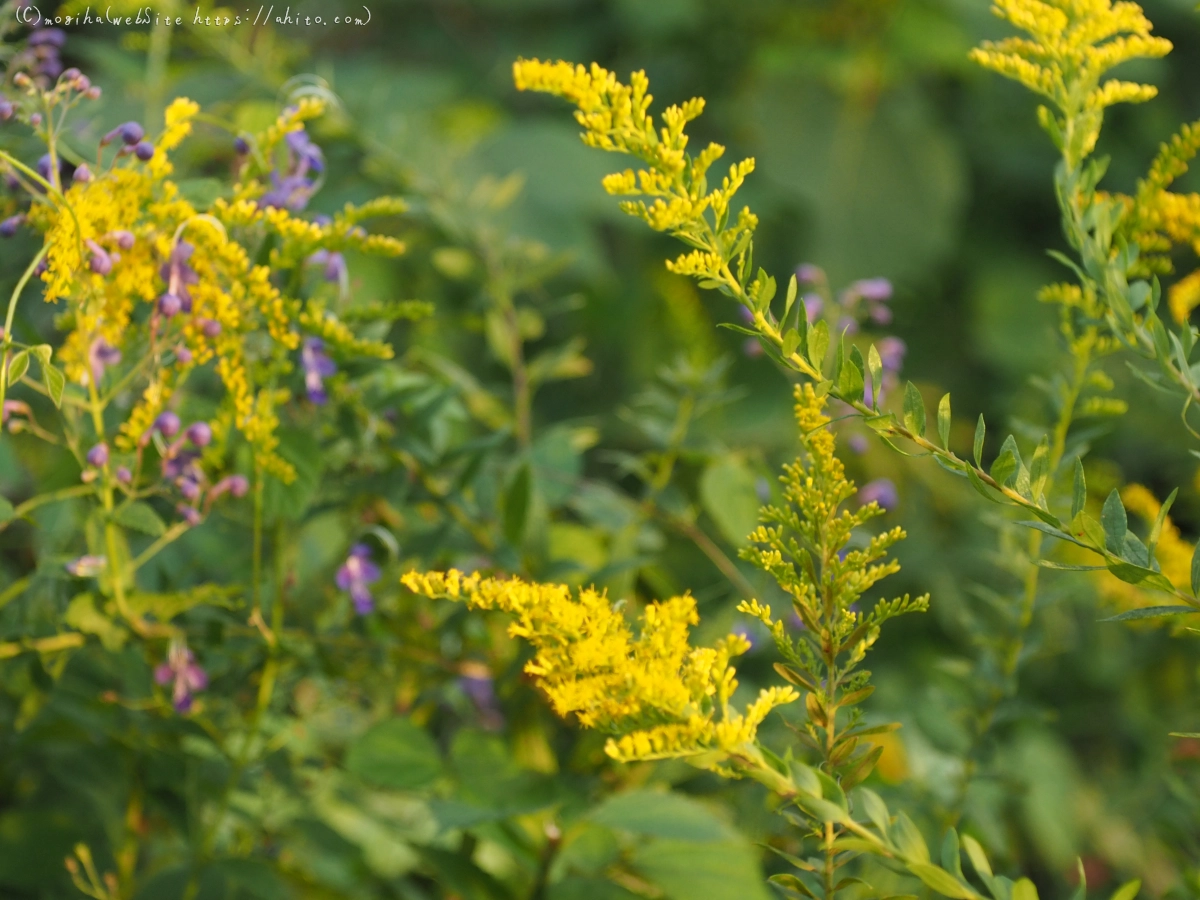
(334, 264)
(182, 669)
(178, 275)
(98, 455)
(292, 190)
(317, 367)
(355, 576)
(881, 491)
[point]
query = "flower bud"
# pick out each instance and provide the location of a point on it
(98, 455)
(241, 146)
(124, 239)
(167, 423)
(169, 305)
(93, 93)
(190, 514)
(22, 80)
(124, 475)
(210, 327)
(101, 262)
(199, 433)
(35, 120)
(82, 174)
(6, 109)
(144, 151)
(189, 488)
(183, 354)
(130, 133)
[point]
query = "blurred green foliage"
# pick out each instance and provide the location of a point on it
(631, 456)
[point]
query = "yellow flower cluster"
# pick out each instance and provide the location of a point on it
(230, 290)
(1071, 45)
(658, 694)
(616, 117)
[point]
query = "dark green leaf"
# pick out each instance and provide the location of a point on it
(1141, 576)
(723, 871)
(140, 517)
(818, 344)
(980, 431)
(1152, 612)
(395, 754)
(7, 511)
(914, 410)
(1079, 490)
(941, 881)
(1115, 523)
(516, 504)
(55, 383)
(1159, 520)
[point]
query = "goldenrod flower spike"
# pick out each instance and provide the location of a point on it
(660, 696)
(1071, 46)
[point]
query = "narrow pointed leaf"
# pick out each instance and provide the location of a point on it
(944, 420)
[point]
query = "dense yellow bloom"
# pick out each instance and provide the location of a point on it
(1071, 45)
(232, 297)
(616, 117)
(661, 696)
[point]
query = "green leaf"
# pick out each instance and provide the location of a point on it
(875, 809)
(722, 871)
(55, 383)
(978, 858)
(729, 496)
(943, 417)
(662, 814)
(18, 367)
(82, 615)
(980, 431)
(791, 340)
(875, 363)
(1024, 890)
(7, 510)
(395, 754)
(914, 410)
(1141, 576)
(952, 854)
(851, 380)
(908, 840)
(1128, 890)
(983, 489)
(140, 517)
(1115, 523)
(1079, 490)
(1160, 519)
(941, 881)
(1152, 612)
(791, 883)
(792, 289)
(42, 352)
(1007, 463)
(516, 504)
(822, 810)
(818, 344)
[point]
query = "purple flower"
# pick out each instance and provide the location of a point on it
(858, 443)
(189, 514)
(477, 683)
(124, 475)
(190, 489)
(178, 275)
(101, 354)
(43, 166)
(130, 133)
(891, 353)
(144, 150)
(98, 455)
(6, 109)
(877, 289)
(124, 239)
(881, 491)
(293, 188)
(9, 226)
(182, 669)
(317, 366)
(199, 433)
(169, 304)
(355, 576)
(183, 354)
(87, 566)
(237, 485)
(45, 43)
(807, 273)
(334, 263)
(82, 175)
(241, 146)
(813, 306)
(101, 262)
(167, 423)
(210, 327)
(747, 314)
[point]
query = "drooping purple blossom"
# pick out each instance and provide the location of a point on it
(9, 226)
(167, 423)
(130, 133)
(144, 150)
(189, 514)
(292, 188)
(82, 174)
(356, 575)
(7, 110)
(46, 45)
(101, 261)
(187, 677)
(235, 485)
(124, 475)
(178, 274)
(98, 455)
(882, 491)
(199, 433)
(317, 367)
(124, 239)
(333, 263)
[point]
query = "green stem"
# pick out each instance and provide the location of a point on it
(77, 490)
(10, 317)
